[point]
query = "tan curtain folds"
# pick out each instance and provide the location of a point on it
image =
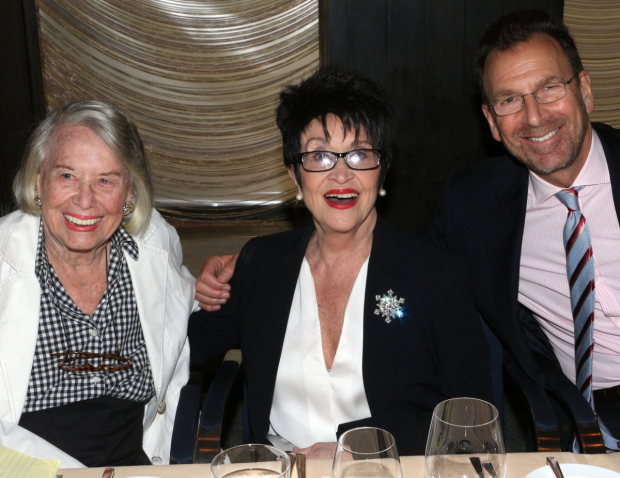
(200, 78)
(595, 25)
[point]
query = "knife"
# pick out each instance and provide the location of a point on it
(475, 461)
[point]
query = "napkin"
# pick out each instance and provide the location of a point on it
(14, 464)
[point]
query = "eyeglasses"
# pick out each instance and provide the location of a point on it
(547, 94)
(358, 159)
(69, 364)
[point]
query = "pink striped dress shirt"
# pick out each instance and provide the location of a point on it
(543, 285)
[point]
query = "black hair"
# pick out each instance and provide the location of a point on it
(517, 27)
(357, 101)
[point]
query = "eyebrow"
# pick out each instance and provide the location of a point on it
(106, 173)
(318, 139)
(356, 144)
(112, 173)
(542, 82)
(62, 166)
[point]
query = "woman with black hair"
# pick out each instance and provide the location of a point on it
(344, 323)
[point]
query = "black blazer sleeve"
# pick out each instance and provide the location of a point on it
(212, 334)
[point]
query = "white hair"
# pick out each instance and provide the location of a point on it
(116, 130)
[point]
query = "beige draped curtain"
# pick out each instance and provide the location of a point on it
(201, 80)
(595, 25)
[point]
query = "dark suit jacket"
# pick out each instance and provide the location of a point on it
(482, 218)
(436, 351)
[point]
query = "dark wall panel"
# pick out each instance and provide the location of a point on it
(406, 66)
(21, 91)
(476, 139)
(368, 18)
(423, 52)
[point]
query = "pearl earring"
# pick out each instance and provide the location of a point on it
(382, 192)
(37, 200)
(299, 197)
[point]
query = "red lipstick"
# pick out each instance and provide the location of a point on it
(332, 199)
(82, 228)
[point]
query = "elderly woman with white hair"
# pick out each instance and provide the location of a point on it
(94, 298)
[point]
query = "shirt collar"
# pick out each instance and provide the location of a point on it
(594, 171)
(120, 239)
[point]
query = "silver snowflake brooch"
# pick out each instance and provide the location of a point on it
(389, 306)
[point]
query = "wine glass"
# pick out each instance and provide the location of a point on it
(366, 452)
(251, 461)
(463, 428)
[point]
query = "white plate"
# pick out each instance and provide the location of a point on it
(574, 471)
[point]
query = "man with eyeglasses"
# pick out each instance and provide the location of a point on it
(539, 226)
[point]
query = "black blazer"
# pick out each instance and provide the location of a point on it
(436, 351)
(482, 218)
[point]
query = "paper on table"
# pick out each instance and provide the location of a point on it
(14, 464)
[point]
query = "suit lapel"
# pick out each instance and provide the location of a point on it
(504, 237)
(611, 147)
(382, 340)
(148, 276)
(266, 327)
(19, 316)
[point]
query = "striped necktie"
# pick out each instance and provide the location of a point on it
(580, 273)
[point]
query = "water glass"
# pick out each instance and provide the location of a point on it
(462, 428)
(251, 461)
(367, 453)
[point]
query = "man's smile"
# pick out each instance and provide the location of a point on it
(545, 137)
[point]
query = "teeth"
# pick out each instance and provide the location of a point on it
(81, 222)
(342, 196)
(545, 137)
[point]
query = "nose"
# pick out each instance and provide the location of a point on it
(533, 111)
(341, 173)
(85, 196)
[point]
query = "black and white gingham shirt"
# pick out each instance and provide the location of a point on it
(62, 326)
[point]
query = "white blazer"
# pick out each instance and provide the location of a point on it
(164, 291)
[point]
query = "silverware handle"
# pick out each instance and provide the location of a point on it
(108, 473)
(490, 469)
(293, 458)
(301, 465)
(476, 463)
(555, 466)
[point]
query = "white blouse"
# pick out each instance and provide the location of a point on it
(309, 401)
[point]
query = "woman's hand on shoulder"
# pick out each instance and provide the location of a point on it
(319, 451)
(212, 289)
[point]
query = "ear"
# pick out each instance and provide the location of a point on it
(291, 172)
(492, 122)
(586, 90)
(129, 193)
(37, 183)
